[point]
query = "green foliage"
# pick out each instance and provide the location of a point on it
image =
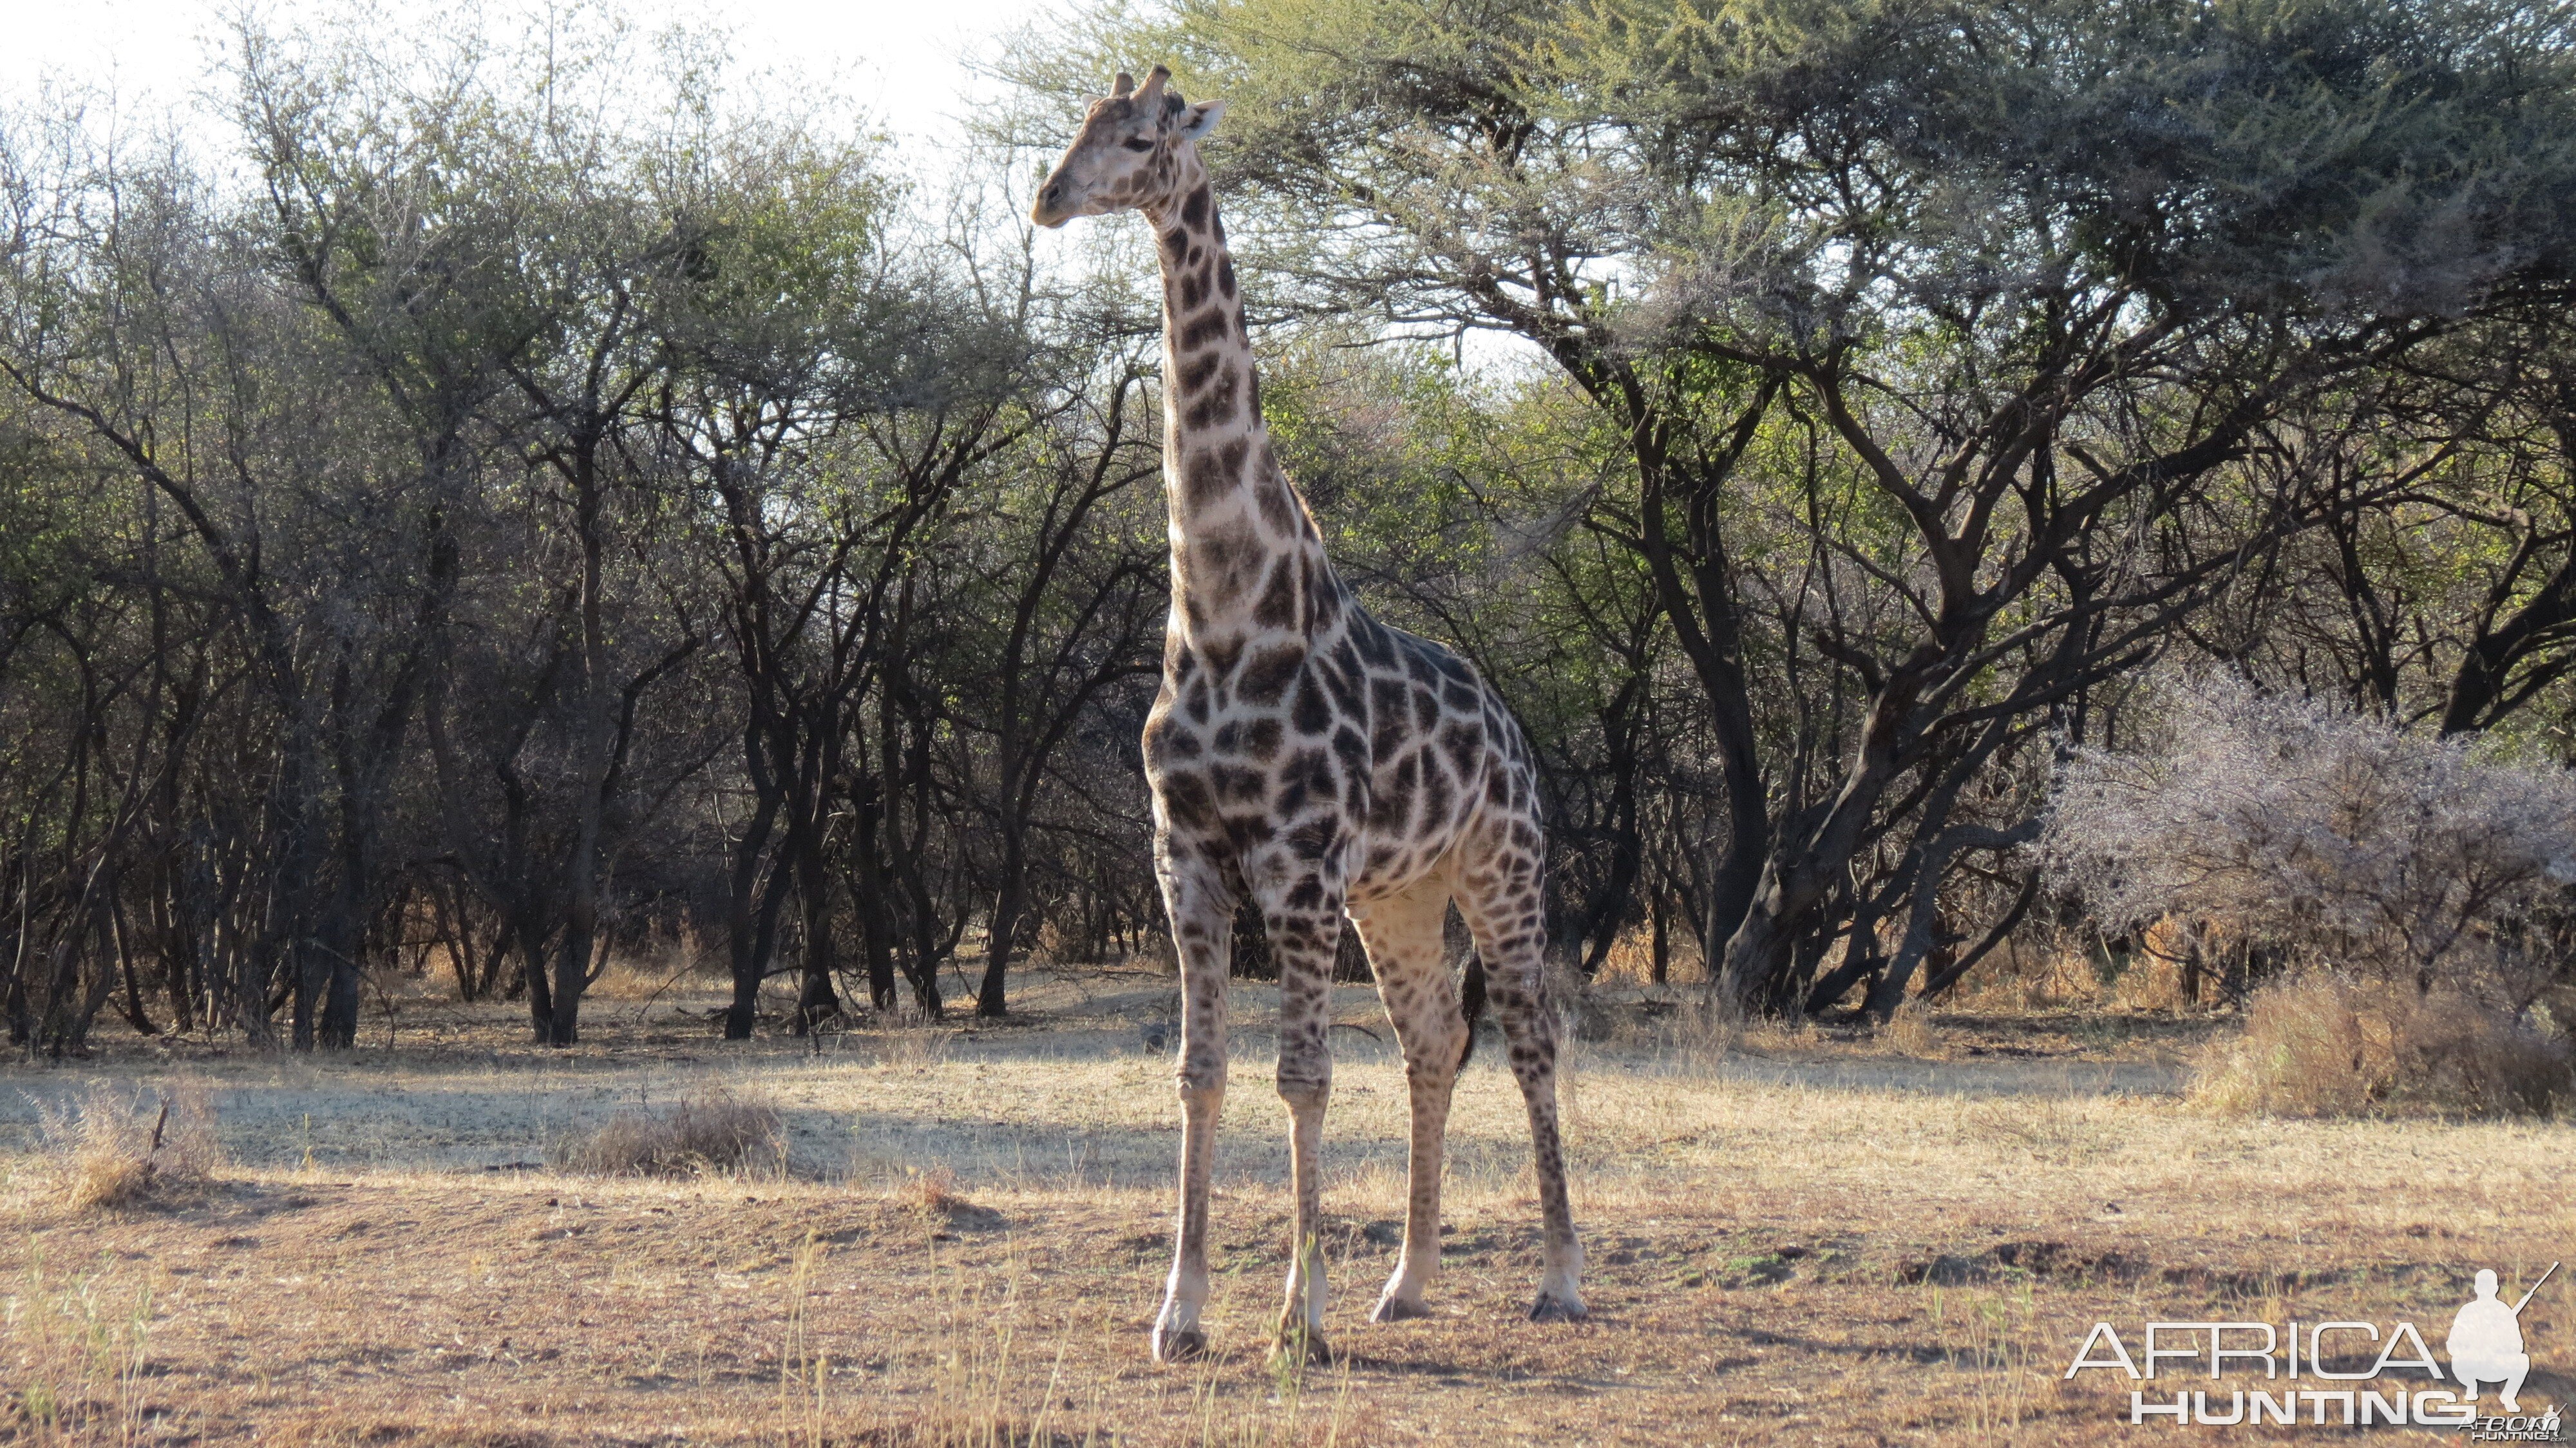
(1944, 361)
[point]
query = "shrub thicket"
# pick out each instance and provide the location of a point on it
(2324, 1046)
(2413, 902)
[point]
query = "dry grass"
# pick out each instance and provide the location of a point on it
(683, 966)
(1909, 1032)
(2029, 975)
(2322, 1046)
(79, 1359)
(1630, 960)
(708, 1132)
(1791, 1240)
(110, 1148)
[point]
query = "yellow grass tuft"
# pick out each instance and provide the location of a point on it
(1909, 1032)
(653, 975)
(714, 1131)
(2323, 1046)
(111, 1149)
(932, 1191)
(916, 1048)
(932, 1195)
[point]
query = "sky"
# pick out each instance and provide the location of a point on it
(908, 61)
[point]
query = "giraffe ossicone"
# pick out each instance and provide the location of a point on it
(1305, 755)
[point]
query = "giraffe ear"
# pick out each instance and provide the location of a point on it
(1198, 120)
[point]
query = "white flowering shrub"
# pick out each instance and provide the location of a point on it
(2336, 838)
(2405, 886)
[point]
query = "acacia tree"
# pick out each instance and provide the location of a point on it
(2037, 290)
(2505, 401)
(837, 395)
(180, 351)
(780, 324)
(495, 241)
(1077, 616)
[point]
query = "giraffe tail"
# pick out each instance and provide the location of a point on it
(1471, 1003)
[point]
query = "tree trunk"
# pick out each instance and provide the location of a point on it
(590, 758)
(1008, 904)
(580, 935)
(750, 913)
(817, 1000)
(868, 895)
(1661, 943)
(528, 939)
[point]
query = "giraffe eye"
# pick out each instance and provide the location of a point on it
(1139, 143)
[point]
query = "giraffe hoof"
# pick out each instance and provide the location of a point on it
(1397, 1309)
(1296, 1345)
(1179, 1345)
(1551, 1308)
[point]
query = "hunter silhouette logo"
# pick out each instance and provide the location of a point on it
(2486, 1341)
(2359, 1373)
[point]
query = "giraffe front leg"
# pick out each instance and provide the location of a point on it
(1202, 929)
(1304, 945)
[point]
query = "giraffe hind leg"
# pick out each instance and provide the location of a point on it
(1502, 906)
(1403, 936)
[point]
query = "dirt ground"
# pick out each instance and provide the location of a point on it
(1793, 1239)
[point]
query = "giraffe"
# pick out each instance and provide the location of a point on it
(1322, 763)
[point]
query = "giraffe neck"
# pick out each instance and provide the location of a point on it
(1246, 558)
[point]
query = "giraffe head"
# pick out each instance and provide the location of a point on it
(1127, 152)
